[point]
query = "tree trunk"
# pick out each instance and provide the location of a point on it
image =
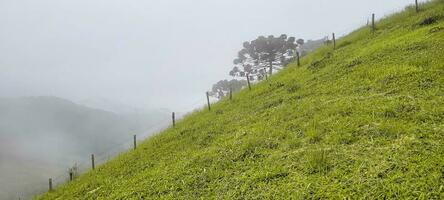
(271, 67)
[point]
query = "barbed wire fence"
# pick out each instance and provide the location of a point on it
(61, 174)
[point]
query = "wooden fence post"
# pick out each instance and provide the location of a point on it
(248, 81)
(135, 141)
(417, 6)
(173, 116)
(208, 101)
(231, 93)
(50, 184)
(298, 57)
(373, 23)
(334, 41)
(92, 162)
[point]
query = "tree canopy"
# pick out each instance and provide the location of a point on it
(263, 55)
(222, 88)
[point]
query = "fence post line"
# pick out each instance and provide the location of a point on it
(298, 57)
(373, 23)
(50, 184)
(417, 6)
(208, 101)
(231, 93)
(248, 81)
(135, 141)
(334, 41)
(92, 162)
(173, 117)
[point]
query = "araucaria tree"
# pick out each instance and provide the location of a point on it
(264, 55)
(222, 88)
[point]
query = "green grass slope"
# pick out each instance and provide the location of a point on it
(363, 121)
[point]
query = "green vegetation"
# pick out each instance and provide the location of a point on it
(364, 121)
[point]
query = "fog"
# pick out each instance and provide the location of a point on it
(150, 54)
(42, 137)
(121, 67)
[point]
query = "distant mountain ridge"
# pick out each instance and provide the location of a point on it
(42, 135)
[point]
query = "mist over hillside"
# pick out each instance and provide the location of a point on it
(43, 136)
(262, 95)
(360, 117)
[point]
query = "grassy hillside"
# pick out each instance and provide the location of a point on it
(366, 120)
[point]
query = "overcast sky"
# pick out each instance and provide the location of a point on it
(151, 54)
